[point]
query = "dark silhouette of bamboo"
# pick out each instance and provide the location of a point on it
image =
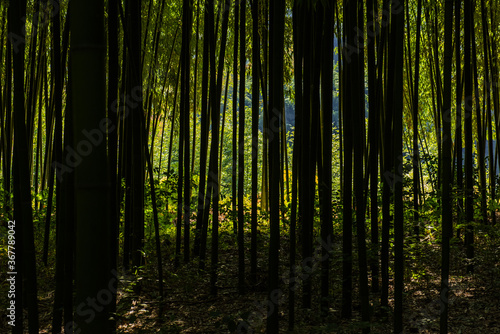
(458, 126)
(325, 158)
(25, 265)
(447, 211)
(277, 27)
(469, 180)
(255, 139)
(349, 16)
(241, 150)
(396, 58)
(184, 171)
(416, 154)
(373, 140)
(201, 222)
(234, 197)
(92, 192)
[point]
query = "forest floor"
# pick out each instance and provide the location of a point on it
(188, 306)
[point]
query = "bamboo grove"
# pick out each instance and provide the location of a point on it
(357, 122)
